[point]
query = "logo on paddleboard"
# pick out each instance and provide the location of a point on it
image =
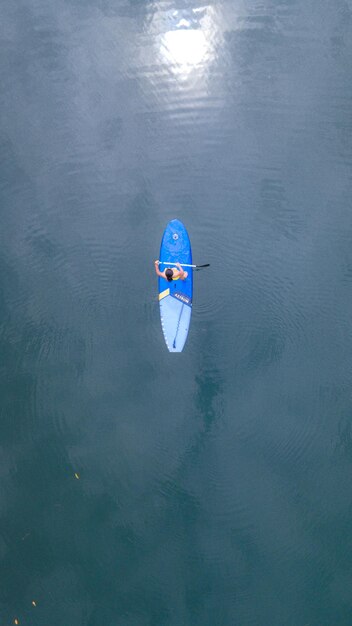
(182, 297)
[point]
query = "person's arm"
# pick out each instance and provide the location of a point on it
(157, 271)
(181, 270)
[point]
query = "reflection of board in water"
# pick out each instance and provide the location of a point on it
(175, 297)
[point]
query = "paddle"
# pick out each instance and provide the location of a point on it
(183, 264)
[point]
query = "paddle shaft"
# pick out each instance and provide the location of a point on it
(182, 264)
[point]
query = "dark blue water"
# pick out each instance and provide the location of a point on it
(212, 487)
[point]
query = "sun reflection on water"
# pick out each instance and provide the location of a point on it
(185, 48)
(187, 45)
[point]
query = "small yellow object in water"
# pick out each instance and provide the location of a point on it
(77, 476)
(34, 603)
(16, 621)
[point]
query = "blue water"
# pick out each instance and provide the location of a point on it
(139, 487)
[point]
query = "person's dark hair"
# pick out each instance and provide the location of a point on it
(169, 274)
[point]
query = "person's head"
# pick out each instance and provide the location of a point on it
(169, 274)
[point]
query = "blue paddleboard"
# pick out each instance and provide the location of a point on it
(175, 298)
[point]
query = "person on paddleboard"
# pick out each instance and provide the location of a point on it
(170, 273)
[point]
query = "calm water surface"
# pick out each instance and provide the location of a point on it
(213, 487)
